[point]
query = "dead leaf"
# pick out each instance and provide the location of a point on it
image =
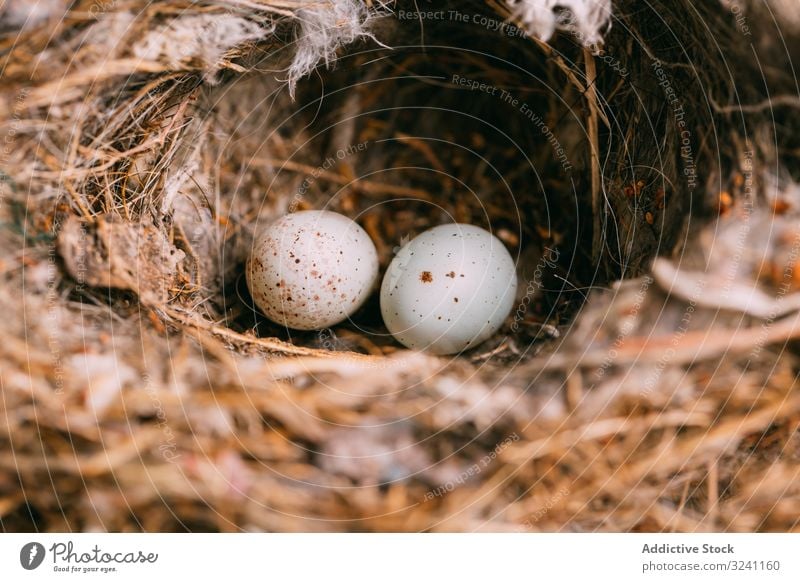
(116, 254)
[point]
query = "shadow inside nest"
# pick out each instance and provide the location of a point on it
(409, 138)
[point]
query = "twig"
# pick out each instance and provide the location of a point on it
(768, 103)
(272, 344)
(695, 346)
(367, 186)
(591, 100)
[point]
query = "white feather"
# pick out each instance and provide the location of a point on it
(324, 29)
(586, 19)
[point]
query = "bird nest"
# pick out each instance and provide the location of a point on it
(638, 162)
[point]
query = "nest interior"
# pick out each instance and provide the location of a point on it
(645, 186)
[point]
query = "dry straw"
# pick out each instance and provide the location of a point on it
(144, 143)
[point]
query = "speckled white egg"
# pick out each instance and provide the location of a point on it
(449, 289)
(311, 269)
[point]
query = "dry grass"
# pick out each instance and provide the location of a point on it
(140, 390)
